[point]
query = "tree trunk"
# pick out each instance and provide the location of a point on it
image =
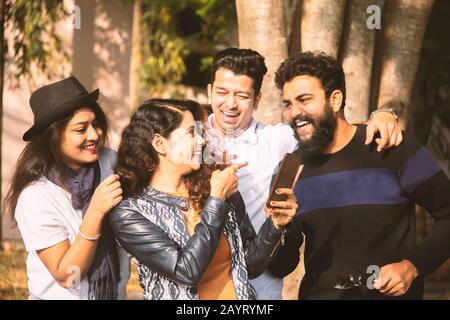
(293, 15)
(136, 56)
(321, 25)
(2, 65)
(357, 57)
(262, 28)
(404, 25)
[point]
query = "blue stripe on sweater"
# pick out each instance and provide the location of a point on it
(365, 186)
(348, 188)
(417, 169)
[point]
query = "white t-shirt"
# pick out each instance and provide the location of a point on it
(263, 147)
(45, 217)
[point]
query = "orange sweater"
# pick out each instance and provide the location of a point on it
(217, 283)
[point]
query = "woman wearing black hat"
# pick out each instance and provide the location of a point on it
(60, 193)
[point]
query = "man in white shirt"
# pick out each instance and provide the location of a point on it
(234, 93)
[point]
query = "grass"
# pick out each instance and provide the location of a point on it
(13, 278)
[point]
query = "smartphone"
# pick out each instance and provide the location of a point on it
(289, 170)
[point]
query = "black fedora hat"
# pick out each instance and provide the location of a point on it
(55, 101)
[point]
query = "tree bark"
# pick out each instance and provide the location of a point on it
(136, 56)
(321, 25)
(293, 16)
(2, 66)
(357, 59)
(262, 28)
(404, 26)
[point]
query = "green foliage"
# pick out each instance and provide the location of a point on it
(165, 48)
(33, 24)
(218, 16)
(206, 62)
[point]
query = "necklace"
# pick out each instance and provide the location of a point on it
(192, 216)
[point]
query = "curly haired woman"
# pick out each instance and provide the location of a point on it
(184, 222)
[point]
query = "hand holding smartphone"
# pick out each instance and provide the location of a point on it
(289, 170)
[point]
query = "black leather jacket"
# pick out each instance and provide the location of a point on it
(151, 246)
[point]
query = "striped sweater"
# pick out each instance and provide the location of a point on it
(357, 210)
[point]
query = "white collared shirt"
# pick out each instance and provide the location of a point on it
(263, 147)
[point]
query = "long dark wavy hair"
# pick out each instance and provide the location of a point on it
(43, 153)
(137, 159)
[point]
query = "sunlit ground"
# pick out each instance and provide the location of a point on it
(13, 279)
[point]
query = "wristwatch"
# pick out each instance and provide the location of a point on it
(390, 110)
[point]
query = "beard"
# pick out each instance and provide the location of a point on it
(323, 134)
